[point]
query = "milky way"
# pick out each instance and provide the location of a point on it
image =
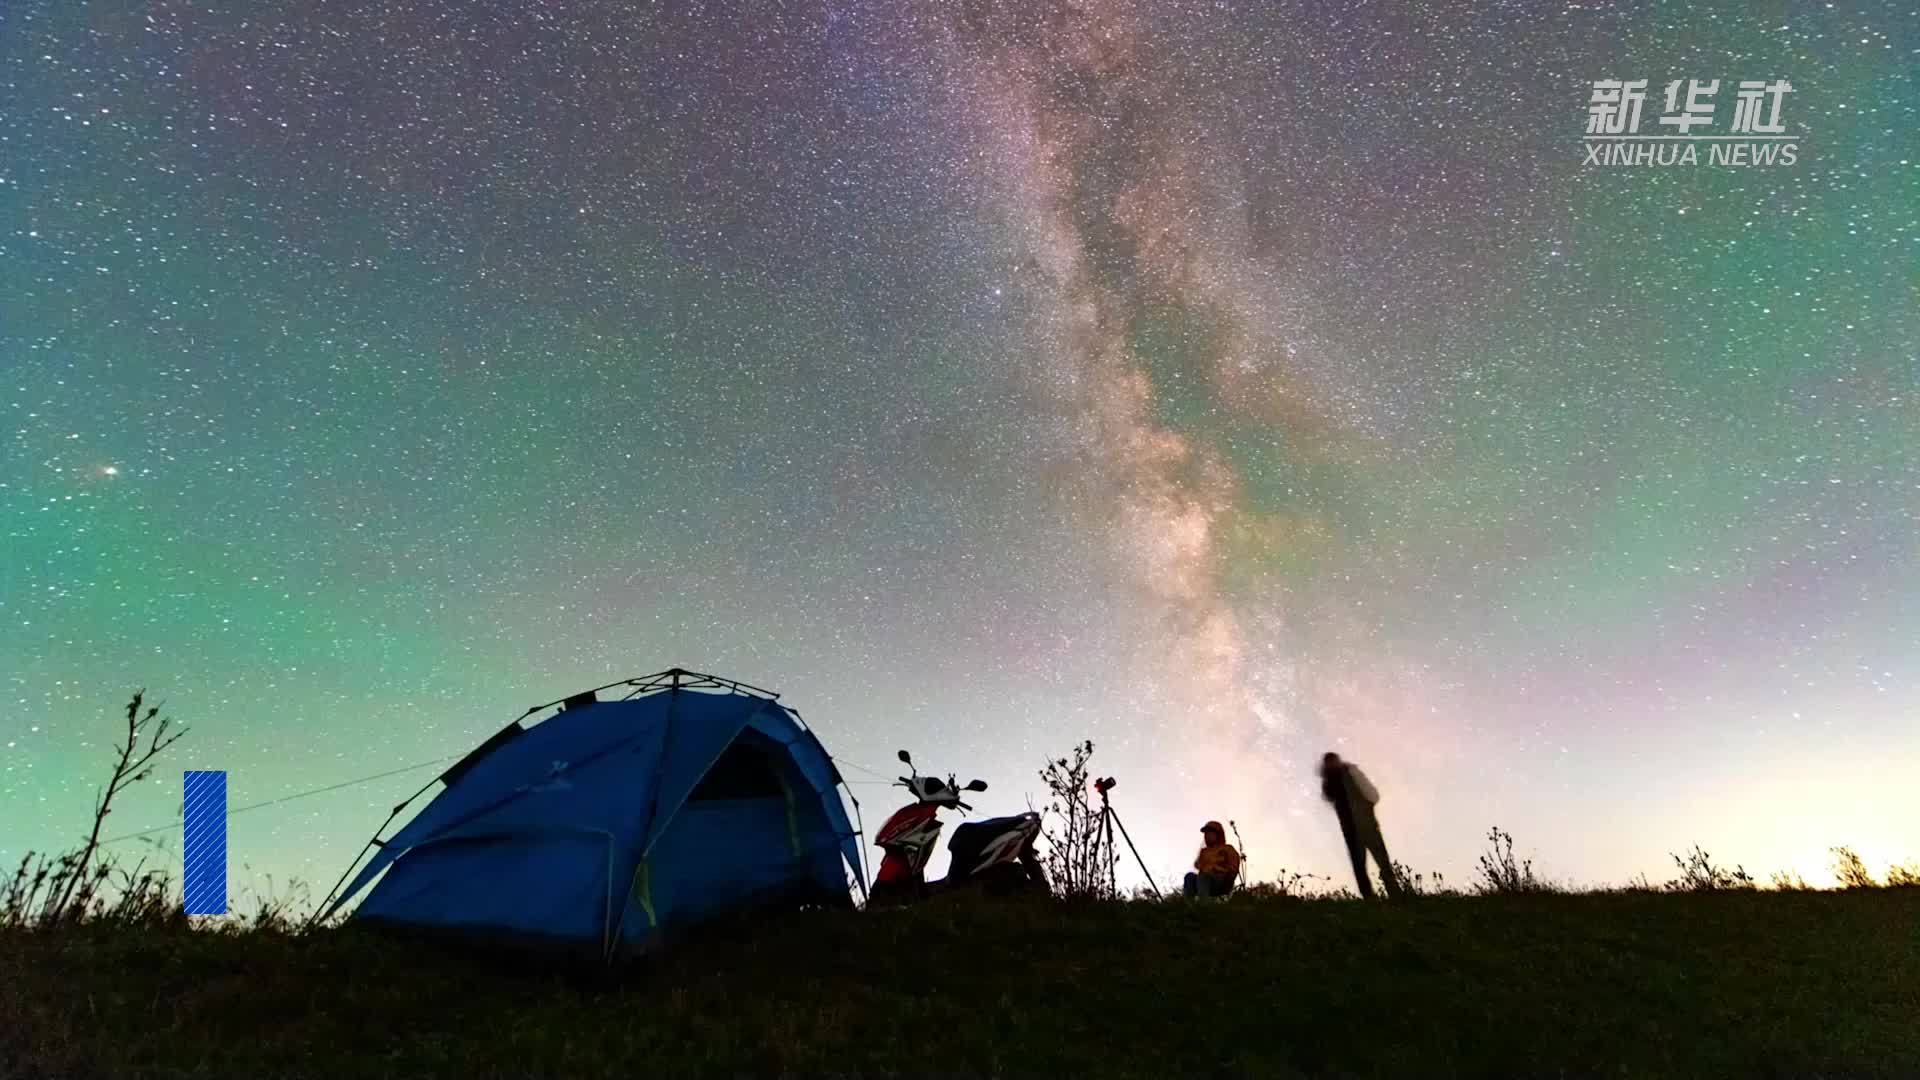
(1223, 382)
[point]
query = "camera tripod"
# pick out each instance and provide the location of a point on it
(1103, 839)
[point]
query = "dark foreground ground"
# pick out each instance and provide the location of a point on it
(1723, 984)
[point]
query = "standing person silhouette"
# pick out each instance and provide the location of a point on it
(1353, 795)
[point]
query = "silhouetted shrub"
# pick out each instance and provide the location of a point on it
(1851, 872)
(1698, 874)
(1638, 883)
(1418, 884)
(1501, 874)
(1294, 885)
(84, 885)
(1079, 865)
(271, 911)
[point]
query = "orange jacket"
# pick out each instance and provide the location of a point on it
(1219, 859)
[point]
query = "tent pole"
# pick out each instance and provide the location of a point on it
(370, 844)
(860, 830)
(404, 803)
(322, 906)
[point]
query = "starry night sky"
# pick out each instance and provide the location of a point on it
(1224, 382)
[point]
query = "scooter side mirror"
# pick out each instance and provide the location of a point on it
(976, 785)
(906, 757)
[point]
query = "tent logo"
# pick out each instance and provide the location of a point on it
(554, 781)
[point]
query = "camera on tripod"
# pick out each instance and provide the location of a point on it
(1105, 820)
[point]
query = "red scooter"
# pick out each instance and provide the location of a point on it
(996, 854)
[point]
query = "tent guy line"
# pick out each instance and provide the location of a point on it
(877, 777)
(383, 776)
(290, 798)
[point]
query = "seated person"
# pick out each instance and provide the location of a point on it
(1217, 865)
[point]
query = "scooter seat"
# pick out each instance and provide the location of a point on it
(988, 827)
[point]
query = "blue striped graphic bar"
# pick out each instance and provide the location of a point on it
(205, 851)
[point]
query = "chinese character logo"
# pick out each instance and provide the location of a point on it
(1746, 109)
(1756, 134)
(1616, 106)
(1698, 108)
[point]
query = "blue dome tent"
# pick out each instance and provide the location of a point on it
(612, 823)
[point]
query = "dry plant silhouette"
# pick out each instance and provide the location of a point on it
(81, 885)
(1501, 874)
(1078, 865)
(1699, 874)
(90, 885)
(1787, 881)
(1851, 871)
(1416, 883)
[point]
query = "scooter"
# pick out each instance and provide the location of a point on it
(996, 855)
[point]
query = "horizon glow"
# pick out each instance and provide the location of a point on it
(1222, 382)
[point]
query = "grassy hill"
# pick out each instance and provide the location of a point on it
(1725, 983)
